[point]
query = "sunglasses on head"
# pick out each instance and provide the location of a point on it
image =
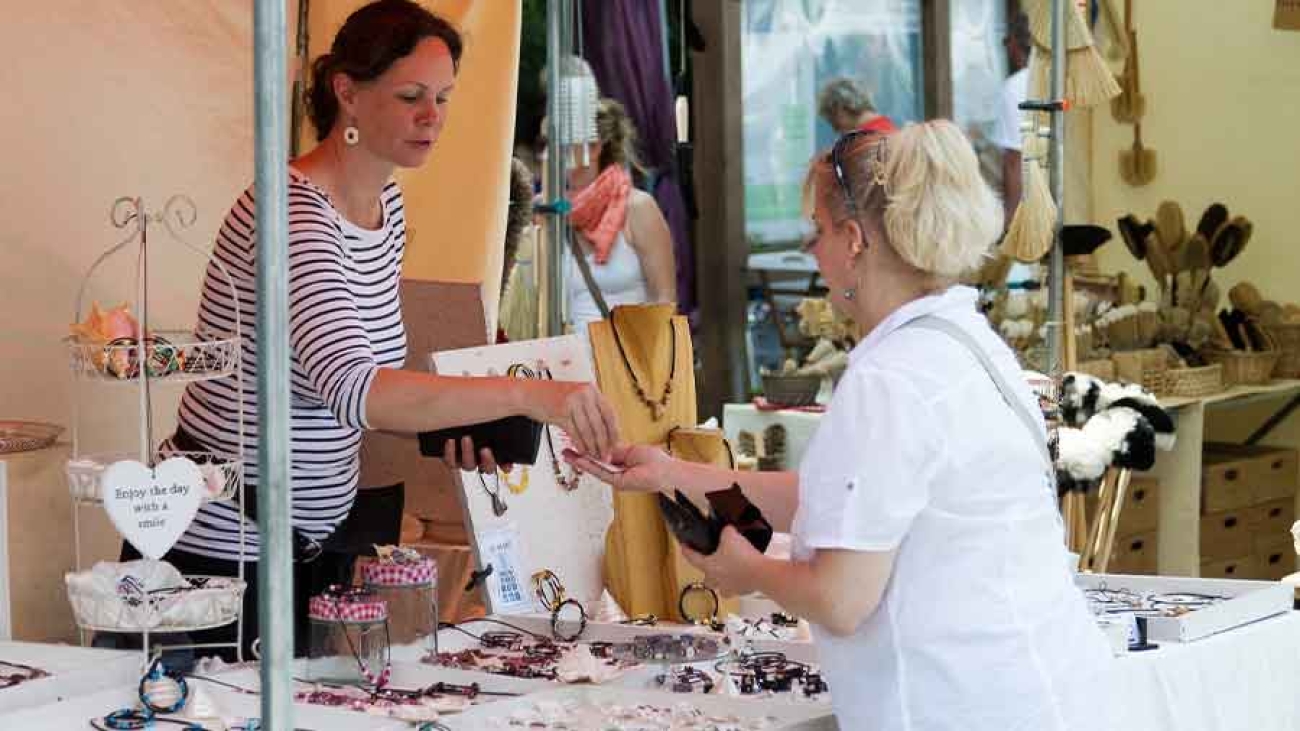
(841, 172)
(838, 166)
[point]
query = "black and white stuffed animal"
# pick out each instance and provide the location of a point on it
(1107, 424)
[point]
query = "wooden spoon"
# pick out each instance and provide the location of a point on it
(1171, 225)
(1158, 259)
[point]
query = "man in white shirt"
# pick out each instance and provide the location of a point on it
(1006, 133)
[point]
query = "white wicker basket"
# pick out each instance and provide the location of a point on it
(216, 604)
(223, 476)
(172, 355)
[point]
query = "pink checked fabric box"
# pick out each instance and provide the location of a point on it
(418, 573)
(348, 608)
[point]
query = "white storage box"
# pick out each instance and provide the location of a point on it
(1247, 601)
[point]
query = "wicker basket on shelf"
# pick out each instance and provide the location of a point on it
(1144, 367)
(1245, 368)
(1288, 342)
(1193, 382)
(1102, 368)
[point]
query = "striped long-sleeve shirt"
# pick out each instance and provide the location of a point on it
(345, 322)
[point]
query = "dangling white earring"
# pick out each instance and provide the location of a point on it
(850, 293)
(351, 135)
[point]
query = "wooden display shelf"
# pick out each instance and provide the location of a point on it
(1236, 395)
(1179, 471)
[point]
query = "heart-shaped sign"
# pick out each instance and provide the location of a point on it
(152, 507)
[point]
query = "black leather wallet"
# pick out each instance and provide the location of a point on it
(513, 440)
(727, 507)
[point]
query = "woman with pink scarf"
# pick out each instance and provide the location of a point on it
(619, 229)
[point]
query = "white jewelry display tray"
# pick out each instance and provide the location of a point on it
(1250, 601)
(748, 714)
(73, 671)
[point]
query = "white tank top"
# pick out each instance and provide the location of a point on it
(620, 279)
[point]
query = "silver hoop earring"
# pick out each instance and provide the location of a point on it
(351, 135)
(850, 293)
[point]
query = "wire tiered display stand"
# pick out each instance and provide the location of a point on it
(145, 360)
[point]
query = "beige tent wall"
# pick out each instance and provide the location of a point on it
(152, 98)
(148, 98)
(456, 204)
(1221, 88)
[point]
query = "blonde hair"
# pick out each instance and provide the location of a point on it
(922, 187)
(617, 135)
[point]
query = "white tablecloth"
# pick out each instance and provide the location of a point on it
(73, 671)
(1244, 680)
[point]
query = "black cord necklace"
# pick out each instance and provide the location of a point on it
(499, 506)
(567, 482)
(656, 407)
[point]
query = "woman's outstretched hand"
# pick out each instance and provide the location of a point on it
(580, 410)
(638, 468)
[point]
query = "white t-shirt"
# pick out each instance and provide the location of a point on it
(980, 627)
(1006, 131)
(620, 278)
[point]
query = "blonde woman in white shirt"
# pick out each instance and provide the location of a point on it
(928, 554)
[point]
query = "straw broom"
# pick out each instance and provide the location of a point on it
(1033, 225)
(1088, 80)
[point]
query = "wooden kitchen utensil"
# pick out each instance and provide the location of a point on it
(1137, 165)
(1230, 240)
(1130, 105)
(1134, 233)
(1215, 215)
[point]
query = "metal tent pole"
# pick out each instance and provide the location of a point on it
(557, 224)
(1056, 160)
(275, 572)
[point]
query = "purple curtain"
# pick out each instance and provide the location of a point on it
(623, 42)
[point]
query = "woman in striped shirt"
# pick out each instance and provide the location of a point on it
(378, 102)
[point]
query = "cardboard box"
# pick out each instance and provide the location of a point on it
(1224, 484)
(1237, 475)
(1244, 567)
(1134, 554)
(1275, 557)
(1141, 510)
(1228, 534)
(1273, 519)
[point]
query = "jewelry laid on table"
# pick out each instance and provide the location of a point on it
(552, 596)
(686, 680)
(699, 605)
(772, 672)
(499, 506)
(1105, 600)
(163, 691)
(657, 407)
(13, 673)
